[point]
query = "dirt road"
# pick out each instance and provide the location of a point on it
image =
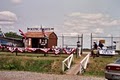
(22, 75)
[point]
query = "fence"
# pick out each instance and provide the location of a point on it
(70, 41)
(67, 62)
(83, 63)
(111, 42)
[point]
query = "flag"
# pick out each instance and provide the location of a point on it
(43, 32)
(11, 49)
(30, 49)
(21, 49)
(45, 49)
(69, 50)
(56, 50)
(21, 32)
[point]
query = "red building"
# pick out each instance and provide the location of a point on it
(38, 40)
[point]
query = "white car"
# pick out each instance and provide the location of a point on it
(112, 70)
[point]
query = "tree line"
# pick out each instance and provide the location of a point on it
(12, 35)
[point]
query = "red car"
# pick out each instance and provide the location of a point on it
(112, 70)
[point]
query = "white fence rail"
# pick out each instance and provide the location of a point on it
(67, 62)
(83, 63)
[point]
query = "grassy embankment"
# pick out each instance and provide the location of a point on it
(31, 62)
(51, 63)
(97, 65)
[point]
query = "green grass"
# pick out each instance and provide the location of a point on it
(31, 62)
(25, 64)
(50, 63)
(97, 65)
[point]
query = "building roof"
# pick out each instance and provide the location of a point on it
(10, 38)
(38, 34)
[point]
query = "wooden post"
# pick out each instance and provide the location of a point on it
(112, 41)
(62, 41)
(81, 44)
(16, 51)
(91, 43)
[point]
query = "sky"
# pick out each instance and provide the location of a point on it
(68, 17)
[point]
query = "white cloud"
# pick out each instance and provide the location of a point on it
(7, 18)
(7, 28)
(98, 30)
(109, 35)
(11, 30)
(87, 15)
(16, 1)
(70, 34)
(89, 22)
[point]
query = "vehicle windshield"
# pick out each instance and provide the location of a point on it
(117, 61)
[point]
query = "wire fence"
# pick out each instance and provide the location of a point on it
(111, 42)
(70, 41)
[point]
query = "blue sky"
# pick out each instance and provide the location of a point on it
(69, 17)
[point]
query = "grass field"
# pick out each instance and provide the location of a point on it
(31, 62)
(50, 63)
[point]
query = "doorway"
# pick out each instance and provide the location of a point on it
(35, 42)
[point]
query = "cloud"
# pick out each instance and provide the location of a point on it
(16, 1)
(90, 16)
(89, 22)
(98, 30)
(7, 18)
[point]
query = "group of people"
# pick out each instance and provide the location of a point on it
(100, 45)
(95, 47)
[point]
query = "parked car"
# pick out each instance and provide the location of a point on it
(112, 70)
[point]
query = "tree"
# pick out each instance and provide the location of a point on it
(12, 35)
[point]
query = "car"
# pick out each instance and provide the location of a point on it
(112, 70)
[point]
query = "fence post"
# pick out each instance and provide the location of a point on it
(112, 41)
(91, 41)
(62, 41)
(62, 66)
(81, 44)
(80, 69)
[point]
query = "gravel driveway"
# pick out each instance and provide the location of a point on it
(22, 75)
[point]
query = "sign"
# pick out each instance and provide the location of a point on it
(118, 45)
(38, 29)
(102, 41)
(107, 52)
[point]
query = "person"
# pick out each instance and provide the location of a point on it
(95, 51)
(101, 45)
(78, 49)
(114, 45)
(95, 45)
